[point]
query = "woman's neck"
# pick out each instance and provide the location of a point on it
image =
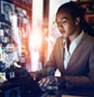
(72, 37)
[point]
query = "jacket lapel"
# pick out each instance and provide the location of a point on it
(62, 52)
(61, 55)
(75, 53)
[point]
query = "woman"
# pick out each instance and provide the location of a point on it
(73, 53)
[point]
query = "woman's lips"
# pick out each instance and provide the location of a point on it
(62, 32)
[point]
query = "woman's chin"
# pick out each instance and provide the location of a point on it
(64, 36)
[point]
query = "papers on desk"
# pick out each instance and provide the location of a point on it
(57, 73)
(12, 75)
(2, 77)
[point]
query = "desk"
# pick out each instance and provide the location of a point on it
(27, 92)
(81, 92)
(22, 88)
(25, 86)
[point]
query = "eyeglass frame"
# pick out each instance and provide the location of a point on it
(61, 23)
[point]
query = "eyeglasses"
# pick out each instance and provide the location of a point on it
(60, 23)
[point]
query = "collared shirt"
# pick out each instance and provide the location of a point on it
(73, 45)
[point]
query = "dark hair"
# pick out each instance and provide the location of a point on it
(75, 10)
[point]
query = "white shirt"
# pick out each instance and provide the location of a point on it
(73, 45)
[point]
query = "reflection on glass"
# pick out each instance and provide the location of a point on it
(1, 33)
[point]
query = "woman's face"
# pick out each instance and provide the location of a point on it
(66, 25)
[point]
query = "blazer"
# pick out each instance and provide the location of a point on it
(80, 69)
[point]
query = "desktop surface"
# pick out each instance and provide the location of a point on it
(75, 92)
(23, 85)
(28, 92)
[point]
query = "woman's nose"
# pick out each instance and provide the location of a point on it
(59, 26)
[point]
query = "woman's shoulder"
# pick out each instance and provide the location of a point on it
(60, 38)
(89, 39)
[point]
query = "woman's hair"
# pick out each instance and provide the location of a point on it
(75, 10)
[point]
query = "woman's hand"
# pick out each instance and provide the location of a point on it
(35, 75)
(44, 82)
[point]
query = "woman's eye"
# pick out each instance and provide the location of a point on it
(63, 22)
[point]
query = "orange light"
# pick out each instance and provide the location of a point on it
(35, 41)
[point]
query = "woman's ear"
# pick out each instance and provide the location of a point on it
(77, 20)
